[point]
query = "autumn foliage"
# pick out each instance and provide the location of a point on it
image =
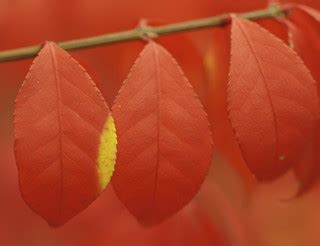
(62, 126)
(208, 137)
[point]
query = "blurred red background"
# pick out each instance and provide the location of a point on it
(231, 208)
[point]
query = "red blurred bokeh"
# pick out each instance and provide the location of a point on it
(231, 209)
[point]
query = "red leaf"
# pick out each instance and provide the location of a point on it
(62, 127)
(216, 61)
(307, 169)
(304, 35)
(272, 100)
(310, 11)
(164, 139)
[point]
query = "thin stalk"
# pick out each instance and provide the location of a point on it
(144, 31)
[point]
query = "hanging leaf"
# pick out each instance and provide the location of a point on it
(165, 146)
(217, 62)
(65, 142)
(307, 169)
(310, 11)
(304, 34)
(272, 100)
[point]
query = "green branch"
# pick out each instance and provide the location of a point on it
(142, 32)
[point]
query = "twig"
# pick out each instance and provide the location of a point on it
(142, 32)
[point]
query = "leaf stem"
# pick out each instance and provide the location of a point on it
(143, 31)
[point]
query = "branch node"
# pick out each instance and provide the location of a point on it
(275, 10)
(145, 31)
(229, 17)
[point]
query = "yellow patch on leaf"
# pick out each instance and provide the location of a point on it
(107, 152)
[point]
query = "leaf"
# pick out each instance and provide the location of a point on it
(216, 61)
(65, 140)
(304, 33)
(165, 147)
(307, 170)
(119, 60)
(272, 100)
(310, 11)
